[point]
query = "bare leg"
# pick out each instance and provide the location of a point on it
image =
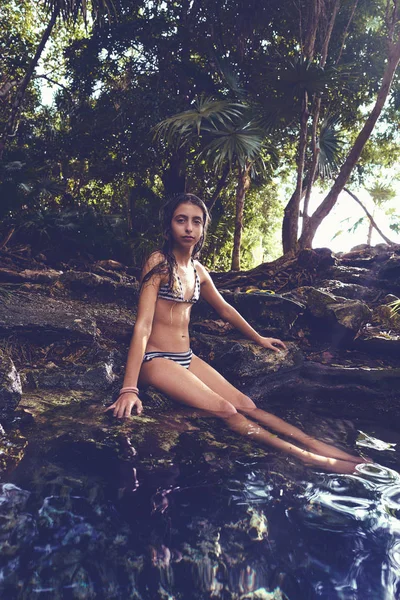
(184, 386)
(245, 405)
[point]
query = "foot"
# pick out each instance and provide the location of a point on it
(334, 465)
(329, 451)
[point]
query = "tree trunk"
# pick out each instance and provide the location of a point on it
(372, 223)
(316, 112)
(242, 187)
(369, 234)
(291, 216)
(330, 200)
(218, 188)
(20, 95)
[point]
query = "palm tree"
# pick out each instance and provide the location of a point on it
(66, 10)
(232, 142)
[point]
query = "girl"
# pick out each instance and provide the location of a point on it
(160, 355)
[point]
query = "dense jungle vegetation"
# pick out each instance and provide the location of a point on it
(248, 104)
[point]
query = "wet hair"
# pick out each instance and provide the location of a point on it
(168, 265)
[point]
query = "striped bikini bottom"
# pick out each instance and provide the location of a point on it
(182, 358)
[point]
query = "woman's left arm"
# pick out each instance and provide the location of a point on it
(210, 293)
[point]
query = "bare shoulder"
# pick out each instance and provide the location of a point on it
(155, 258)
(158, 277)
(202, 271)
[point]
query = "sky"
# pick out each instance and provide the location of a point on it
(347, 208)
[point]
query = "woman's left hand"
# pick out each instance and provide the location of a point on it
(271, 344)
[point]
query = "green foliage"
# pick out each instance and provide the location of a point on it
(395, 307)
(231, 71)
(73, 233)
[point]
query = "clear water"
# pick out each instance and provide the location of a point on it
(212, 523)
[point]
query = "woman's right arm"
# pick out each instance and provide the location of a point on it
(141, 333)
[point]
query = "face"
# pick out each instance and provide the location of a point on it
(187, 225)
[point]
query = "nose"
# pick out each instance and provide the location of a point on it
(189, 226)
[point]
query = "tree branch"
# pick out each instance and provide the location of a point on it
(370, 217)
(346, 30)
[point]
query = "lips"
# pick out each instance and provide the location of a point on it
(187, 237)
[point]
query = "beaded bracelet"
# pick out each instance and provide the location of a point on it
(129, 390)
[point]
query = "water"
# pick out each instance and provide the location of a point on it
(207, 521)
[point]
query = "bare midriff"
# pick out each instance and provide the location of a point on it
(170, 330)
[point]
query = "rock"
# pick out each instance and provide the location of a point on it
(388, 319)
(350, 314)
(246, 364)
(12, 450)
(359, 275)
(360, 247)
(352, 291)
(44, 276)
(374, 340)
(96, 377)
(316, 258)
(271, 312)
(391, 269)
(39, 317)
(111, 264)
(101, 287)
(10, 386)
(382, 379)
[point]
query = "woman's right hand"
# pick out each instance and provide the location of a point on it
(123, 406)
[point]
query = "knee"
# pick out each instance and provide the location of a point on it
(246, 404)
(225, 410)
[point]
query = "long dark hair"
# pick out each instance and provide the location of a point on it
(168, 265)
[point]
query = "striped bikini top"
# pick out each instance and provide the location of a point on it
(166, 293)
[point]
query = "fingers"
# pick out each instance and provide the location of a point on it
(276, 342)
(271, 347)
(280, 343)
(123, 406)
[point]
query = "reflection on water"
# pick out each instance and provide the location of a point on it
(267, 528)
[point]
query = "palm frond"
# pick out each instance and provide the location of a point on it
(229, 76)
(206, 111)
(330, 144)
(234, 145)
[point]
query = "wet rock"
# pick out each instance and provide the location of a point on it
(263, 594)
(380, 378)
(10, 386)
(91, 378)
(12, 450)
